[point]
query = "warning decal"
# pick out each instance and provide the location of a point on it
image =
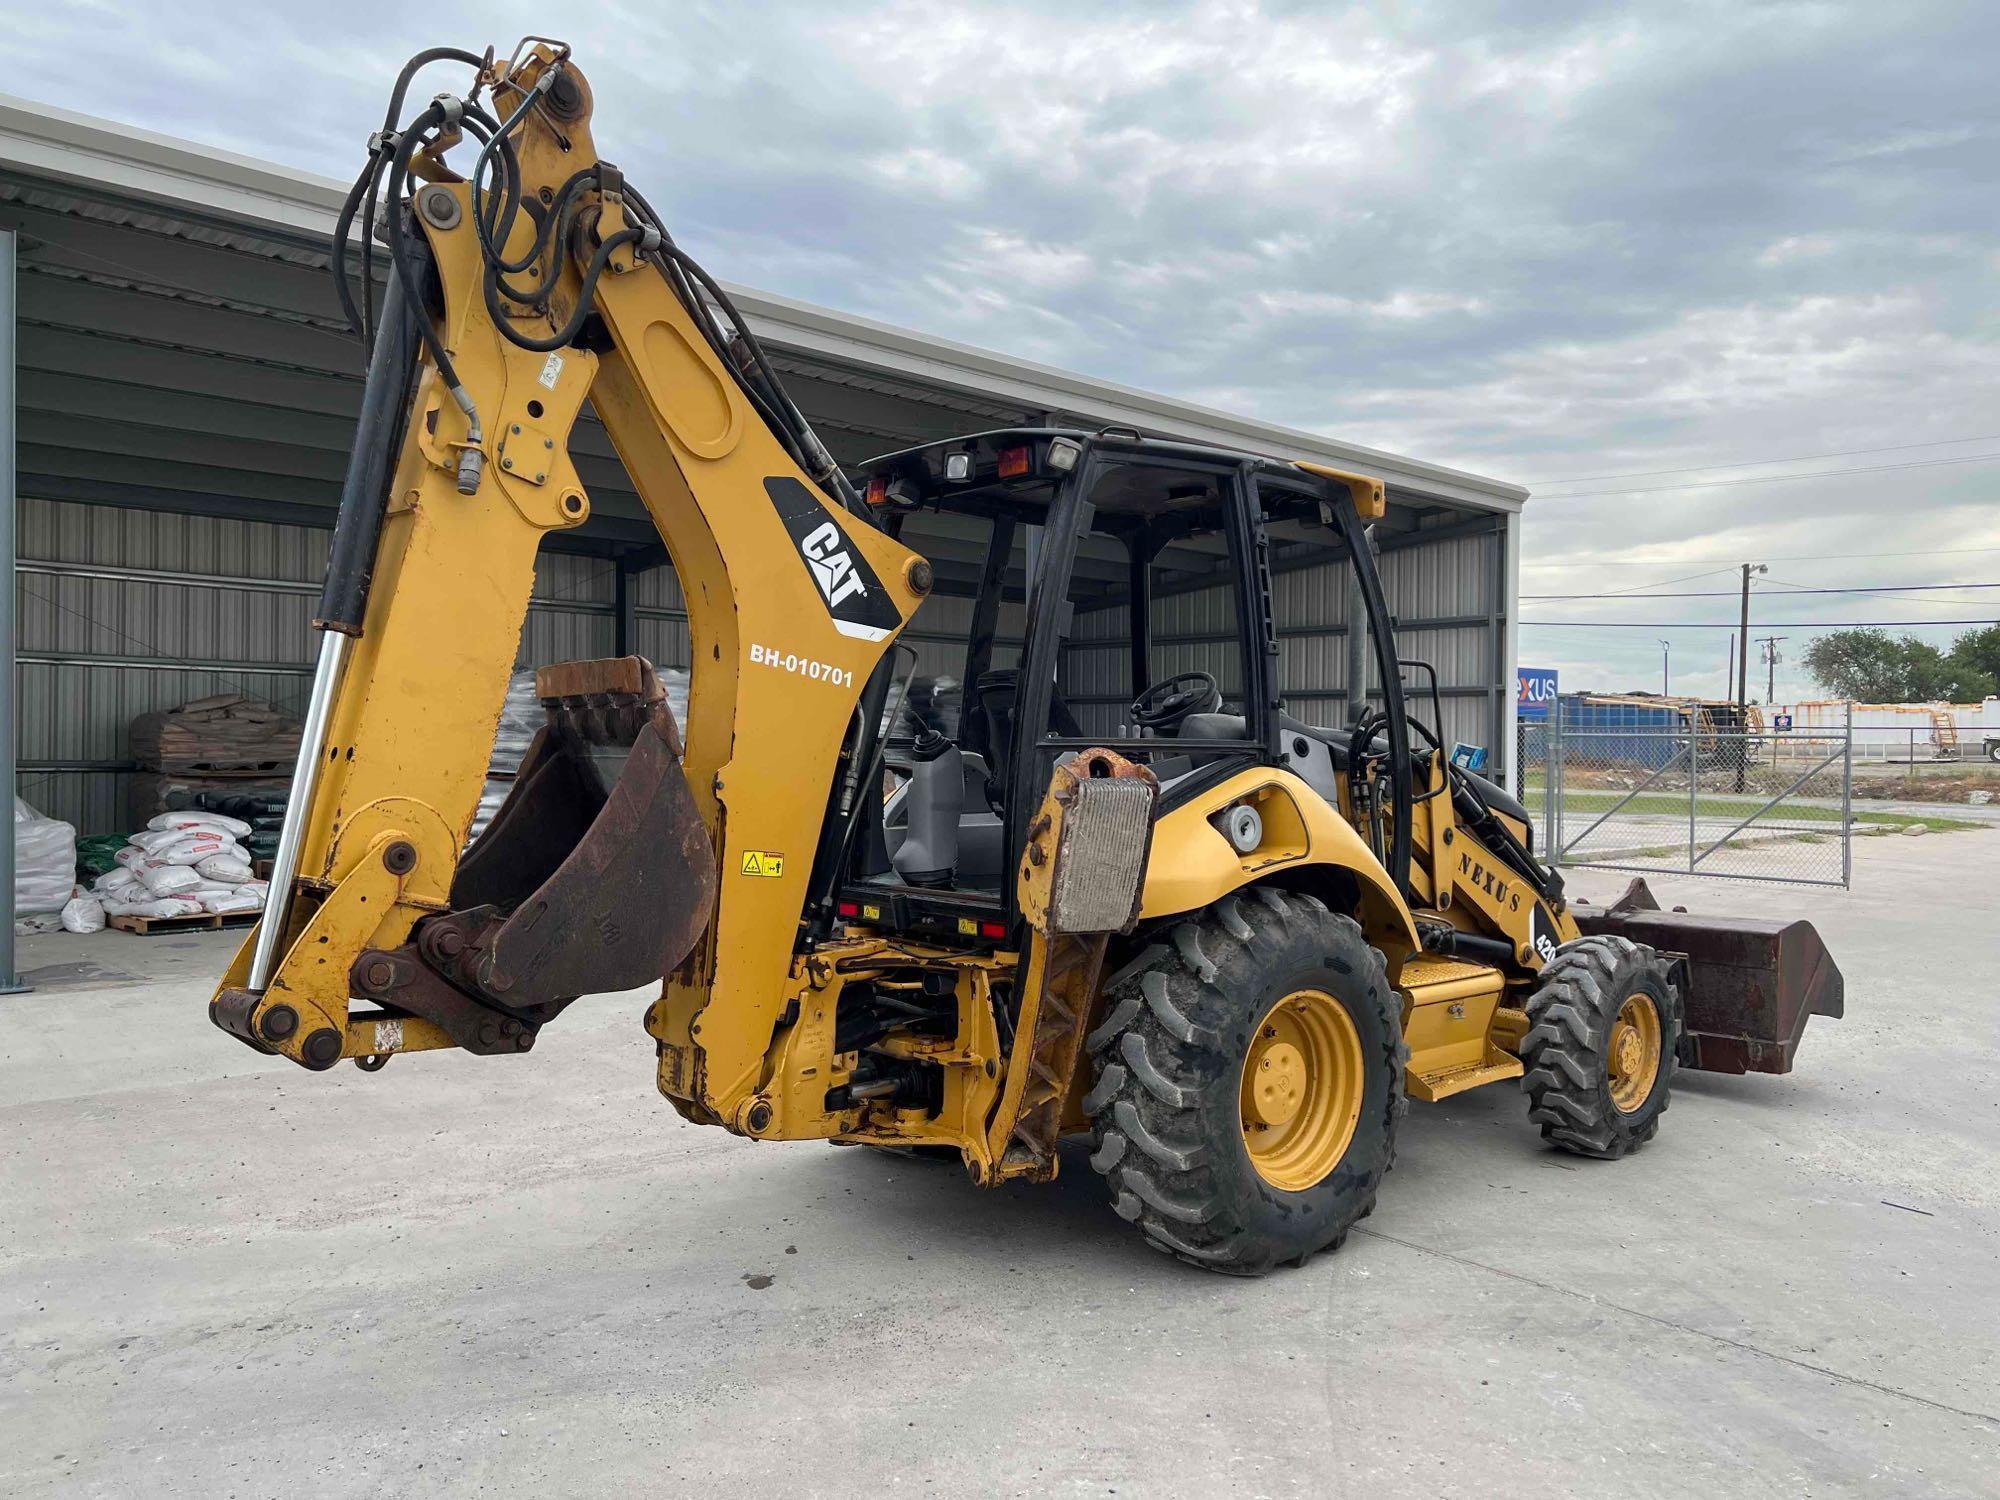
(763, 862)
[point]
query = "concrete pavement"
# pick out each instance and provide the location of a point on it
(220, 1275)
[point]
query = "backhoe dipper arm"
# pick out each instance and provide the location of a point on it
(542, 282)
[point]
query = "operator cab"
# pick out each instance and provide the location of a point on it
(1089, 589)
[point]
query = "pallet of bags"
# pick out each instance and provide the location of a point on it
(184, 864)
(228, 734)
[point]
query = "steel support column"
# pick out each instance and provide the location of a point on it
(10, 977)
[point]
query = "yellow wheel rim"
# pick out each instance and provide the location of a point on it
(1634, 1061)
(1301, 1090)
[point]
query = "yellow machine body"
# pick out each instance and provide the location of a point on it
(746, 1020)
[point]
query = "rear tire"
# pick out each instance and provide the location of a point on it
(1273, 976)
(1599, 1054)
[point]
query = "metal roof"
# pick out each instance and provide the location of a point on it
(127, 233)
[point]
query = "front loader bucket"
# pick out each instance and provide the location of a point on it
(1752, 984)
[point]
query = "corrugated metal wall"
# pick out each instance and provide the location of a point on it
(124, 612)
(1446, 595)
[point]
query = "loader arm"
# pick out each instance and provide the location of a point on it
(695, 865)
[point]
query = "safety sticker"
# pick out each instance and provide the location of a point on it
(389, 1036)
(552, 369)
(763, 862)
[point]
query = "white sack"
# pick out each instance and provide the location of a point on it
(230, 869)
(231, 901)
(168, 880)
(193, 848)
(83, 914)
(195, 819)
(44, 861)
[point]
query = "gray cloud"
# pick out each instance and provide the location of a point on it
(1534, 239)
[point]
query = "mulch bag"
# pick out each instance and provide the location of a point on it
(44, 861)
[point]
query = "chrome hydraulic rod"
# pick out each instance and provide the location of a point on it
(298, 806)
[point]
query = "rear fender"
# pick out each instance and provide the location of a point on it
(1306, 846)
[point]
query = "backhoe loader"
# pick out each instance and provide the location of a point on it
(1054, 862)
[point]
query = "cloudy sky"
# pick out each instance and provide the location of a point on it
(1682, 245)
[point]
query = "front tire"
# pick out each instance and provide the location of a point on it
(1599, 1054)
(1249, 1084)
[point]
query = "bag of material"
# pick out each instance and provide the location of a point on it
(231, 901)
(229, 869)
(193, 848)
(83, 914)
(165, 906)
(112, 882)
(44, 861)
(167, 880)
(199, 820)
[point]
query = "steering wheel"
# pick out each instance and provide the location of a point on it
(1165, 704)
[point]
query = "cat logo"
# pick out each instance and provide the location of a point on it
(833, 570)
(763, 862)
(861, 608)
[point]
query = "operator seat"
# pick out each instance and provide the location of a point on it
(998, 691)
(1313, 754)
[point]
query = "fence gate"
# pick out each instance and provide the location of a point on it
(1692, 796)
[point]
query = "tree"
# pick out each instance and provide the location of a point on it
(1975, 662)
(1872, 666)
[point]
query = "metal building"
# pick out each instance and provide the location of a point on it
(181, 419)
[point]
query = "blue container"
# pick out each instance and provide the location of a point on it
(1621, 734)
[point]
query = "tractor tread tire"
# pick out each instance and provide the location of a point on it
(1166, 1126)
(1565, 1054)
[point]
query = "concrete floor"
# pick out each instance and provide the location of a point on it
(222, 1276)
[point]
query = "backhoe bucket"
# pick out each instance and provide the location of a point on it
(1752, 984)
(602, 890)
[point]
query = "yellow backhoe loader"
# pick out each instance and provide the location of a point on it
(989, 826)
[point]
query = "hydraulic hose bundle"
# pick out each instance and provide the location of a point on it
(564, 225)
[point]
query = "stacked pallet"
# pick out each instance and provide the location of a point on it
(222, 746)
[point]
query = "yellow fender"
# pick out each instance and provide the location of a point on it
(1305, 843)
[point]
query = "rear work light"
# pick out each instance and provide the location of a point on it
(992, 929)
(1013, 461)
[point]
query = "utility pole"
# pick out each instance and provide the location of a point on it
(1666, 677)
(1743, 677)
(1771, 660)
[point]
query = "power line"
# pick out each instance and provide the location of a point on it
(1732, 625)
(1794, 588)
(1606, 562)
(1758, 463)
(1721, 484)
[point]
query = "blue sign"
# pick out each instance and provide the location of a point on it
(1537, 691)
(1781, 721)
(1468, 757)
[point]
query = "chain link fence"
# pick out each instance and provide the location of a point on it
(1679, 793)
